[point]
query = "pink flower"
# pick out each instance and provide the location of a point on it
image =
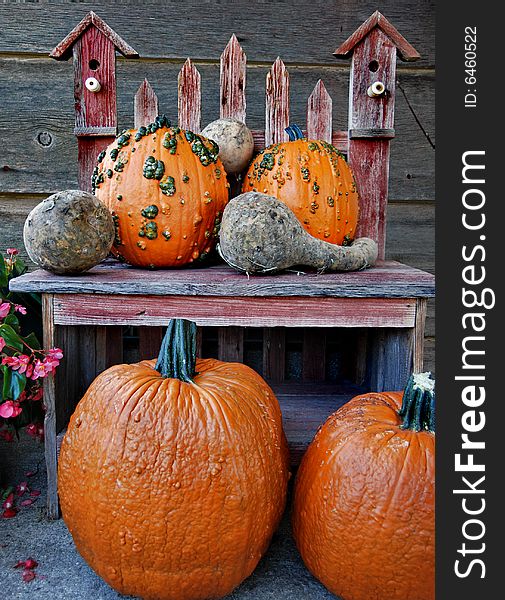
(20, 309)
(12, 251)
(2, 343)
(8, 513)
(28, 575)
(5, 309)
(31, 429)
(21, 363)
(10, 409)
(9, 360)
(21, 488)
(30, 563)
(56, 353)
(42, 368)
(9, 501)
(35, 431)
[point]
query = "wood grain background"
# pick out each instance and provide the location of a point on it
(38, 152)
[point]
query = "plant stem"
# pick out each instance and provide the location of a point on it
(418, 404)
(177, 357)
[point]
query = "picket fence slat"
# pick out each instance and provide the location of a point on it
(319, 114)
(189, 105)
(145, 105)
(277, 103)
(233, 81)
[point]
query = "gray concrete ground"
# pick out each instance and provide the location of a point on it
(63, 574)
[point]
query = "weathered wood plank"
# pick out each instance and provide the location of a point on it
(390, 359)
(305, 34)
(314, 355)
(304, 410)
(92, 309)
(145, 105)
(369, 160)
(150, 341)
(233, 81)
(277, 103)
(320, 114)
(385, 280)
(274, 354)
(231, 344)
(50, 426)
(50, 164)
(189, 105)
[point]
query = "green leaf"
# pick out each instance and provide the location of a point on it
(6, 372)
(11, 337)
(32, 341)
(19, 266)
(4, 281)
(14, 383)
(13, 321)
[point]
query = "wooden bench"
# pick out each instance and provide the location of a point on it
(385, 307)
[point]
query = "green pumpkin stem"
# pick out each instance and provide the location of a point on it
(418, 405)
(177, 357)
(294, 132)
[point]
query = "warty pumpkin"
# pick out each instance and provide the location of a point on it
(313, 178)
(166, 189)
(173, 474)
(363, 513)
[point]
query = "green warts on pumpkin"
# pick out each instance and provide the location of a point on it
(153, 169)
(177, 357)
(418, 404)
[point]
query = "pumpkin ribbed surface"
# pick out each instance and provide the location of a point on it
(314, 180)
(363, 514)
(172, 490)
(166, 189)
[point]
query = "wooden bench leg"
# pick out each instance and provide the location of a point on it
(390, 359)
(396, 353)
(421, 307)
(87, 351)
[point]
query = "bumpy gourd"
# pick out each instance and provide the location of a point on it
(69, 232)
(166, 189)
(173, 474)
(364, 501)
(235, 141)
(313, 178)
(260, 234)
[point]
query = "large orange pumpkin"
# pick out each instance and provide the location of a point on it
(314, 180)
(173, 476)
(363, 514)
(166, 189)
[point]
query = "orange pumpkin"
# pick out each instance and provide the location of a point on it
(314, 180)
(166, 189)
(363, 514)
(173, 476)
